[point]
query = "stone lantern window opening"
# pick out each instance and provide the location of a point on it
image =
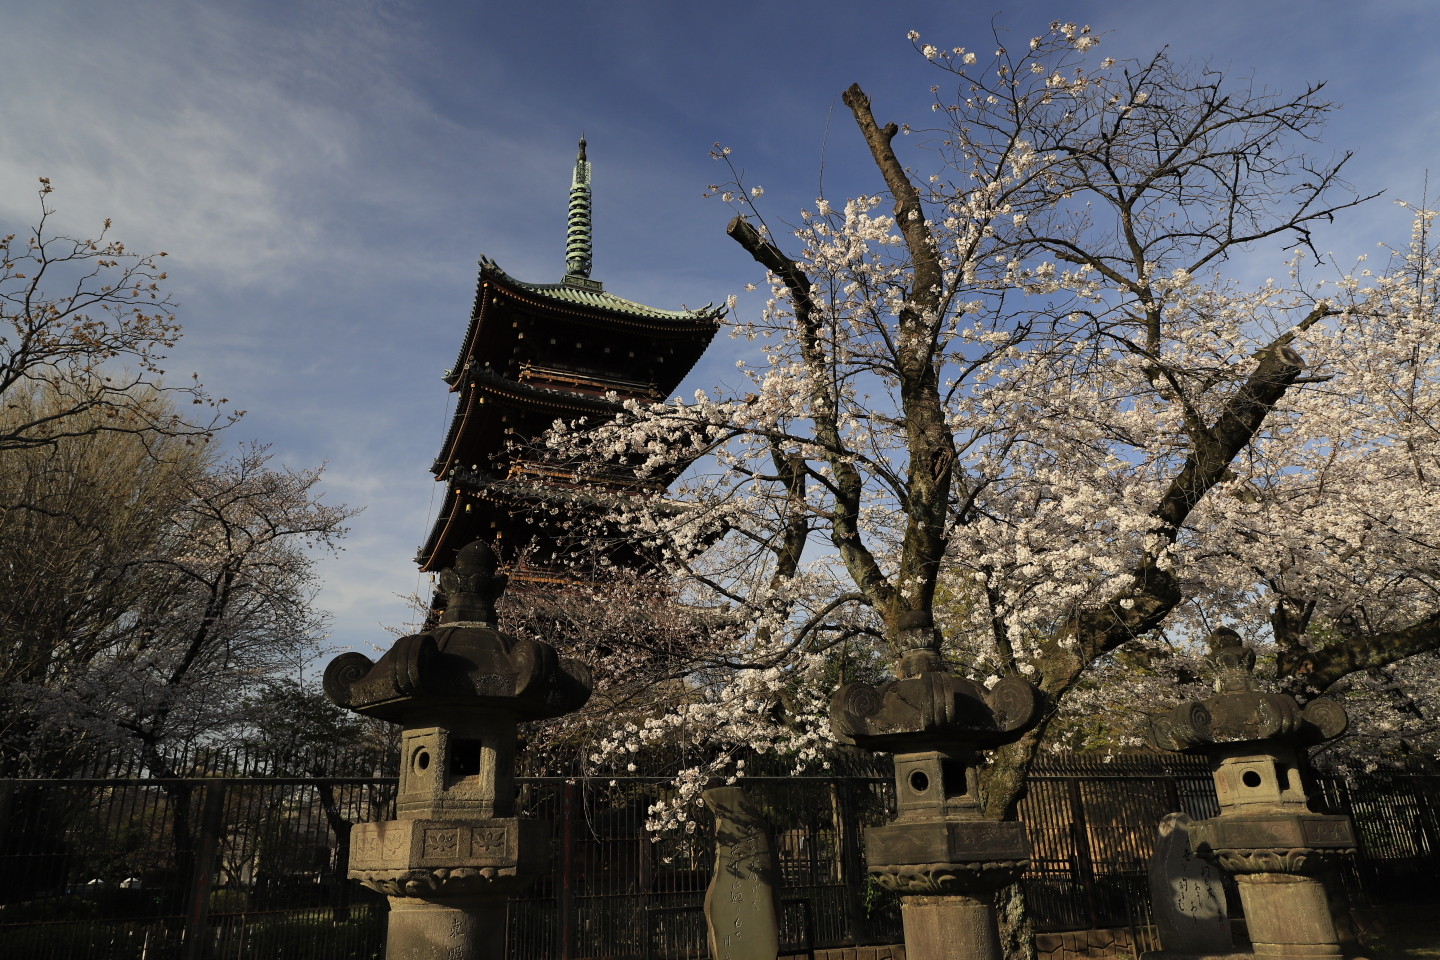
(941, 854)
(456, 850)
(1266, 833)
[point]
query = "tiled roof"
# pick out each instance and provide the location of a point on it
(590, 293)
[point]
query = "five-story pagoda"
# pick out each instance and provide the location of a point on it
(534, 353)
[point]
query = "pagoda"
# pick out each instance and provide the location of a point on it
(534, 353)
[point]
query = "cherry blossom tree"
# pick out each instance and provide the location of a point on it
(1013, 390)
(1021, 399)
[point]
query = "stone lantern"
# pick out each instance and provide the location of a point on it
(1266, 834)
(943, 857)
(456, 851)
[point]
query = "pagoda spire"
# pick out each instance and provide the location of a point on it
(577, 233)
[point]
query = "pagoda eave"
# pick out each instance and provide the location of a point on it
(534, 354)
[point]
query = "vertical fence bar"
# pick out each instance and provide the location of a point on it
(7, 803)
(340, 827)
(852, 865)
(1425, 819)
(566, 904)
(1172, 795)
(196, 916)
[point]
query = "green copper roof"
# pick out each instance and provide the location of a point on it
(590, 293)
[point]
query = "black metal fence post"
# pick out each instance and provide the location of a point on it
(7, 803)
(198, 909)
(1426, 819)
(566, 903)
(807, 923)
(852, 863)
(340, 862)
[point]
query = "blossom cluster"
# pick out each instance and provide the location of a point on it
(1021, 393)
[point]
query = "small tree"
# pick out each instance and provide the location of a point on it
(87, 320)
(148, 586)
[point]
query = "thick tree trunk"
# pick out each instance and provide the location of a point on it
(1017, 933)
(1323, 667)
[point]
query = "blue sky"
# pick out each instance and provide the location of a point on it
(325, 175)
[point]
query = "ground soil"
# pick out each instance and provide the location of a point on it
(1406, 941)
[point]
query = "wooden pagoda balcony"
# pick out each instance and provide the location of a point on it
(551, 376)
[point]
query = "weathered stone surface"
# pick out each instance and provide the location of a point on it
(1241, 713)
(413, 844)
(454, 853)
(437, 859)
(1186, 894)
(1288, 916)
(936, 857)
(934, 705)
(894, 951)
(426, 930)
(1266, 833)
(464, 665)
(959, 841)
(953, 927)
(462, 768)
(741, 910)
(1303, 842)
(940, 854)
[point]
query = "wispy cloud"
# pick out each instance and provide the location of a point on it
(325, 174)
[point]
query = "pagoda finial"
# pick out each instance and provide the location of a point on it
(577, 234)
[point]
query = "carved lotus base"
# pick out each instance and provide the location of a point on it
(1299, 860)
(946, 857)
(435, 859)
(442, 883)
(1299, 843)
(974, 879)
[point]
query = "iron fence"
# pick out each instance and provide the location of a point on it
(240, 859)
(225, 855)
(616, 892)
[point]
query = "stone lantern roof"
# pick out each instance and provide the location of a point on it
(463, 666)
(1240, 713)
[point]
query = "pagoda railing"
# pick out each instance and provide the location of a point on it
(530, 371)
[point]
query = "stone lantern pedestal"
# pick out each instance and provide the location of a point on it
(456, 851)
(1266, 834)
(940, 854)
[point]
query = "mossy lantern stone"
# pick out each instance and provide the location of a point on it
(455, 851)
(941, 854)
(1266, 833)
